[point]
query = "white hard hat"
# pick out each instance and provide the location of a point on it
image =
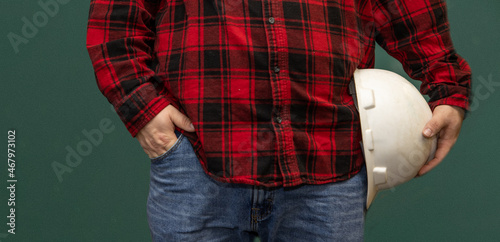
(393, 114)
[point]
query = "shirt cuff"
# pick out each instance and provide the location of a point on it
(140, 107)
(454, 100)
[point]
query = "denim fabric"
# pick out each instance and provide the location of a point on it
(185, 204)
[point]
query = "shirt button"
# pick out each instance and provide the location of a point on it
(271, 20)
(278, 119)
(276, 69)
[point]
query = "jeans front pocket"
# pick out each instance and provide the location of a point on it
(171, 150)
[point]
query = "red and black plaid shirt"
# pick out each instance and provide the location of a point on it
(265, 82)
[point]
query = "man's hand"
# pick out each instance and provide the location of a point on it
(158, 135)
(446, 121)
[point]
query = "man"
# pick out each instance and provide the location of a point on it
(243, 106)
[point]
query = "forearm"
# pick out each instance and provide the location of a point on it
(418, 35)
(120, 42)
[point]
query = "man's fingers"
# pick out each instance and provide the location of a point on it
(446, 121)
(180, 120)
(433, 126)
(156, 149)
(444, 147)
(160, 143)
(158, 135)
(146, 146)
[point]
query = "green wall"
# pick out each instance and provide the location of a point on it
(49, 97)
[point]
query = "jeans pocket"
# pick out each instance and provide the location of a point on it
(171, 150)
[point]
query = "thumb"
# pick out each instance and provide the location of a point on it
(180, 120)
(433, 126)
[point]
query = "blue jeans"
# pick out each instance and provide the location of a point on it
(185, 204)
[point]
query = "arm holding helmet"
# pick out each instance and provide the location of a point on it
(417, 34)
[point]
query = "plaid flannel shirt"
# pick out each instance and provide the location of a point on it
(265, 82)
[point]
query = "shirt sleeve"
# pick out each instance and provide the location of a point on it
(120, 43)
(417, 33)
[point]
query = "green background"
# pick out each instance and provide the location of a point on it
(49, 96)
